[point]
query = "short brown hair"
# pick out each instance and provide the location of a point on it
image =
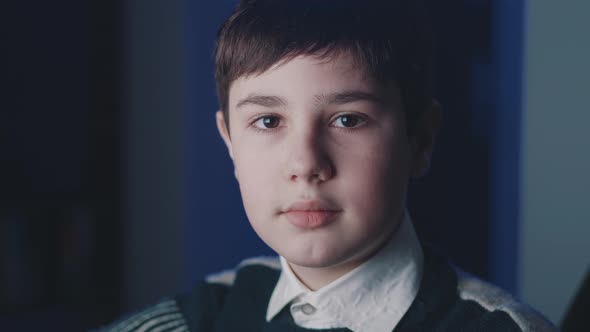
(390, 38)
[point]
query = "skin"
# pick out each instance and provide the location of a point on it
(310, 130)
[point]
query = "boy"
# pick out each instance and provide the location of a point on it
(326, 112)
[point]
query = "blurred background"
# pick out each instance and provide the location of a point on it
(115, 189)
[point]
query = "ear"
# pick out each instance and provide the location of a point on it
(223, 132)
(223, 129)
(424, 138)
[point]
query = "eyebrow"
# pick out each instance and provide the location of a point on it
(265, 101)
(345, 97)
(336, 98)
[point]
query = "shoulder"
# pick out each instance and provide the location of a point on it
(258, 265)
(495, 300)
(164, 316)
(229, 294)
(452, 300)
(197, 310)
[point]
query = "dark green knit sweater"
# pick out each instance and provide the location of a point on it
(447, 301)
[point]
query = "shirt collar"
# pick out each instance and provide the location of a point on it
(372, 297)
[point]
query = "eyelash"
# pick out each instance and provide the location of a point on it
(363, 119)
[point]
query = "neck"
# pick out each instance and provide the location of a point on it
(315, 278)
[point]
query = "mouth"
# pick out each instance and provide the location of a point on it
(311, 214)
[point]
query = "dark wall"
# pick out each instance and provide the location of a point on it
(60, 165)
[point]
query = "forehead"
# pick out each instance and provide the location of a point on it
(305, 76)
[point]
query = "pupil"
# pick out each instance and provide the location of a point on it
(348, 121)
(270, 122)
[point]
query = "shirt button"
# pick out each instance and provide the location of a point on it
(308, 309)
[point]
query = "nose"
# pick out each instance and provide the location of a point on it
(308, 158)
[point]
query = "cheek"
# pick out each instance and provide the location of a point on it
(376, 180)
(256, 177)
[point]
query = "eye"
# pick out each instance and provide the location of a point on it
(267, 122)
(348, 121)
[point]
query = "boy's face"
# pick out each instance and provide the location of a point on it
(322, 159)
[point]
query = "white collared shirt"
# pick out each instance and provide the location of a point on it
(371, 298)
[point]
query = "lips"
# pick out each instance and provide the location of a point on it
(311, 214)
